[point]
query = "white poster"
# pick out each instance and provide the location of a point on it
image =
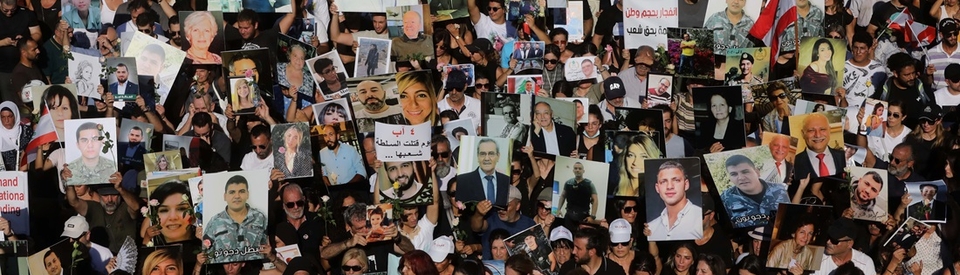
(84, 71)
(14, 201)
(403, 142)
(646, 21)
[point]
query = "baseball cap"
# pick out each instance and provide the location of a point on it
(842, 227)
(545, 195)
(75, 227)
(561, 233)
(441, 247)
(514, 194)
(948, 25)
(613, 88)
(952, 72)
(457, 79)
(620, 231)
(931, 112)
(480, 45)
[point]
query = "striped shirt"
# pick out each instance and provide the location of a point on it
(940, 59)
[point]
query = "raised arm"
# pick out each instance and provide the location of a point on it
(433, 210)
(79, 205)
(474, 11)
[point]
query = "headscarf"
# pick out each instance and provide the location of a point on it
(10, 138)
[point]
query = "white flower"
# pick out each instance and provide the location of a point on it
(456, 221)
(325, 198)
(150, 244)
(184, 197)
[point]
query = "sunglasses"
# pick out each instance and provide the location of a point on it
(294, 204)
(629, 209)
(146, 31)
(838, 241)
(261, 147)
(493, 9)
(894, 115)
(927, 121)
(644, 65)
(560, 42)
(896, 161)
(483, 85)
(354, 268)
(619, 244)
(551, 61)
(452, 89)
(949, 34)
(517, 171)
(780, 96)
(440, 154)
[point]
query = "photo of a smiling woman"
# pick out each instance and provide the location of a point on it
(418, 98)
(201, 31)
(173, 212)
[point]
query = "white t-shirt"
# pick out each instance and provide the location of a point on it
(486, 28)
(471, 109)
(860, 260)
(424, 238)
(882, 147)
(221, 119)
(252, 162)
(944, 98)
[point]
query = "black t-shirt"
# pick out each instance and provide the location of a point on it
(23, 75)
(265, 39)
(608, 20)
(883, 13)
(11, 27)
(607, 267)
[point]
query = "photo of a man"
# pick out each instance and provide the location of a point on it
(479, 178)
(340, 161)
(121, 84)
(681, 217)
(372, 95)
(88, 162)
(236, 231)
(930, 207)
(817, 159)
(781, 148)
(578, 195)
(403, 173)
(548, 136)
(745, 211)
(133, 144)
(866, 189)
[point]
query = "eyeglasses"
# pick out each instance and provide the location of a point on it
(354, 268)
(629, 209)
(493, 9)
(551, 61)
(452, 89)
(294, 204)
(780, 96)
(620, 244)
(255, 147)
(927, 121)
(330, 70)
(483, 85)
(949, 34)
(517, 171)
(440, 154)
(894, 115)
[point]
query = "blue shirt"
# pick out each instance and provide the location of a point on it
(345, 163)
(484, 181)
(494, 222)
(72, 16)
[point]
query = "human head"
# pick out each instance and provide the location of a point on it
(519, 264)
(7, 116)
(719, 107)
(51, 261)
(235, 193)
(901, 160)
(331, 136)
(841, 234)
(417, 262)
(638, 148)
(162, 163)
(498, 248)
(868, 187)
(401, 172)
(904, 69)
(355, 216)
(122, 73)
(928, 191)
(682, 259)
(488, 154)
(88, 140)
(163, 261)
(247, 24)
(780, 147)
(744, 174)
(672, 183)
(293, 201)
(417, 97)
(588, 244)
(333, 113)
(750, 265)
(816, 132)
(260, 141)
(297, 55)
(412, 23)
(804, 233)
(325, 68)
(822, 49)
(241, 63)
(354, 262)
(175, 223)
(30, 50)
(371, 94)
(587, 68)
(710, 264)
(496, 10)
(543, 114)
(200, 28)
(9, 7)
(948, 31)
(746, 64)
(150, 60)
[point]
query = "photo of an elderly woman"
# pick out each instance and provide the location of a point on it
(201, 30)
(820, 77)
(798, 249)
(294, 75)
(720, 130)
(418, 97)
(635, 150)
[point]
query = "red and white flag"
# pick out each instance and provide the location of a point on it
(44, 133)
(774, 20)
(924, 35)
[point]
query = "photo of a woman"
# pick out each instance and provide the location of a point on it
(639, 148)
(162, 163)
(244, 96)
(797, 250)
(163, 262)
(62, 105)
(82, 14)
(86, 83)
(174, 213)
(875, 120)
(294, 74)
(200, 29)
(332, 112)
(291, 152)
(820, 77)
(417, 97)
(721, 130)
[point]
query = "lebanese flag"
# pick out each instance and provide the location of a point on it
(925, 35)
(900, 22)
(774, 20)
(43, 134)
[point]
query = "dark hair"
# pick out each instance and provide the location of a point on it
(750, 263)
(260, 130)
(57, 91)
(248, 15)
(137, 128)
(737, 160)
(201, 119)
(558, 31)
(242, 56)
(646, 263)
(552, 49)
(501, 2)
(173, 20)
(86, 126)
(459, 130)
(521, 263)
(320, 64)
(121, 65)
(146, 19)
(470, 267)
(716, 264)
(672, 265)
(419, 262)
(449, 114)
(862, 37)
(498, 234)
(898, 61)
(133, 5)
(665, 108)
(238, 179)
(171, 187)
(595, 239)
(848, 268)
(22, 43)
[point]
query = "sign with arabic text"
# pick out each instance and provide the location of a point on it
(403, 142)
(645, 22)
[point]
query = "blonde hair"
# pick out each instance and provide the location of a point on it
(158, 256)
(355, 254)
(407, 79)
(646, 144)
(236, 88)
(194, 20)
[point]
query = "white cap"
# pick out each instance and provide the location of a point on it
(75, 227)
(441, 247)
(561, 233)
(620, 231)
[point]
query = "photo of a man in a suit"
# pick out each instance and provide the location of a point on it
(548, 136)
(928, 208)
(783, 168)
(485, 183)
(123, 86)
(818, 160)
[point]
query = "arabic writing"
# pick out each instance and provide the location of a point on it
(650, 13)
(402, 142)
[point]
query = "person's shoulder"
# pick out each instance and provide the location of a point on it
(612, 267)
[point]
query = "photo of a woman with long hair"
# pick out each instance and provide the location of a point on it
(638, 148)
(820, 77)
(174, 214)
(162, 262)
(418, 97)
(244, 95)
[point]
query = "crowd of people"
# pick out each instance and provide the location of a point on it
(327, 188)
